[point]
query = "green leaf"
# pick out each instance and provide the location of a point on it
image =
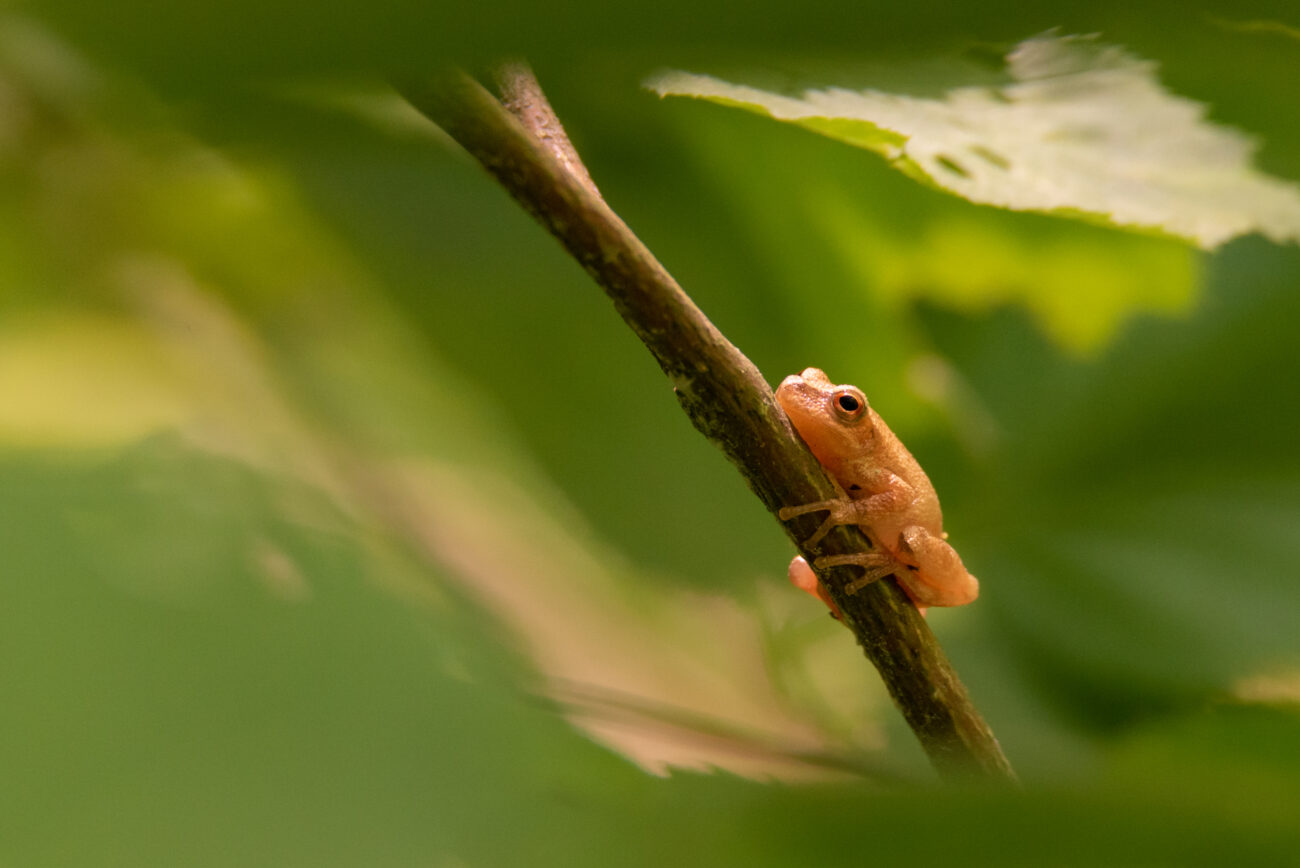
(269, 703)
(1140, 502)
(1079, 128)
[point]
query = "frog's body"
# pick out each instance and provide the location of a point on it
(888, 496)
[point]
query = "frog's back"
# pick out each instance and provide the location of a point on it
(892, 454)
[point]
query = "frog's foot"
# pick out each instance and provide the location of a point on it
(842, 511)
(876, 566)
(935, 575)
(803, 578)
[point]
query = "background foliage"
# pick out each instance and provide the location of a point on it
(341, 521)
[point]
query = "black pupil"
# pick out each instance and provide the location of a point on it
(849, 404)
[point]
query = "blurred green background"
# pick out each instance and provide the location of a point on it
(342, 522)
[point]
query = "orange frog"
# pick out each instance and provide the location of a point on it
(888, 495)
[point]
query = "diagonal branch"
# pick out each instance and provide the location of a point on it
(721, 391)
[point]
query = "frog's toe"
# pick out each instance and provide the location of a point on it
(786, 513)
(827, 526)
(803, 578)
(876, 565)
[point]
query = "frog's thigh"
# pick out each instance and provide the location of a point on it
(939, 577)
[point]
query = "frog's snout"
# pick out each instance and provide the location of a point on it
(809, 377)
(801, 388)
(794, 388)
(815, 377)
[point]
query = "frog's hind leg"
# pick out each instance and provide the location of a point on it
(876, 566)
(803, 578)
(934, 574)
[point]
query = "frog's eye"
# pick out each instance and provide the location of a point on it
(849, 404)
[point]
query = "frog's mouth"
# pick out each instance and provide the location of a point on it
(791, 390)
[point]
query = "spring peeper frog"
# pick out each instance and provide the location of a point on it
(888, 495)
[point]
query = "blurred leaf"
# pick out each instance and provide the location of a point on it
(1262, 25)
(219, 311)
(344, 524)
(268, 706)
(1079, 284)
(1079, 129)
(866, 242)
(217, 668)
(1141, 553)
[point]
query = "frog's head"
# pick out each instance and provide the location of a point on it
(835, 421)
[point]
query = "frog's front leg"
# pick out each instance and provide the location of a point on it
(841, 512)
(894, 495)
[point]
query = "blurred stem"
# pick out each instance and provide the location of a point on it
(522, 144)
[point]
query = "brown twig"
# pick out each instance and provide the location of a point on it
(522, 96)
(721, 391)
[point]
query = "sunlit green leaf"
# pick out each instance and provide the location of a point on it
(1078, 126)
